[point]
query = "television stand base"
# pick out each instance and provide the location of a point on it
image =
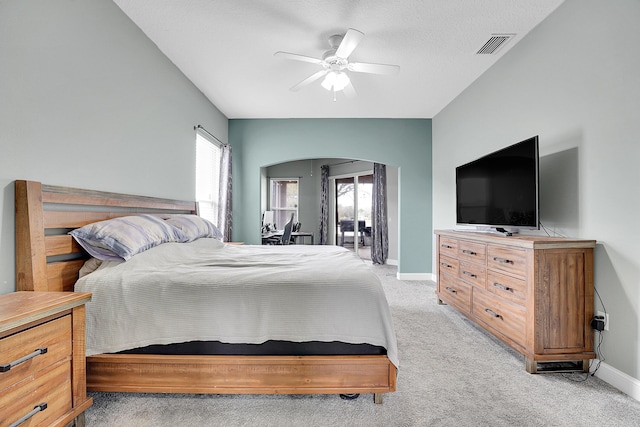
(495, 230)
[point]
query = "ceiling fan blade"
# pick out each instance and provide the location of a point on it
(365, 67)
(350, 91)
(350, 41)
(309, 79)
(297, 57)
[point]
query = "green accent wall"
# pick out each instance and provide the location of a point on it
(403, 143)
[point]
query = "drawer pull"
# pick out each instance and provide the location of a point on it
(466, 273)
(503, 287)
(7, 366)
(38, 408)
(502, 260)
(491, 312)
(444, 264)
(447, 246)
(468, 252)
(453, 291)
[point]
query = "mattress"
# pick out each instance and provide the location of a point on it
(237, 294)
(268, 348)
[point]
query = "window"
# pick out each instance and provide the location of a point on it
(283, 200)
(208, 153)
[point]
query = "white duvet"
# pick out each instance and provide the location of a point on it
(207, 290)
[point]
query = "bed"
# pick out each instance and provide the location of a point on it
(49, 259)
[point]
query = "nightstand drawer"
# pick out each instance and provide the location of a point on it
(51, 386)
(54, 336)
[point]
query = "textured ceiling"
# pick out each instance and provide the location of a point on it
(226, 49)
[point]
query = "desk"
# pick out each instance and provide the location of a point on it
(294, 234)
(302, 234)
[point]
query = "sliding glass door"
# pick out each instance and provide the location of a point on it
(353, 212)
(345, 210)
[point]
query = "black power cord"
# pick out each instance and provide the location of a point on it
(597, 323)
(599, 353)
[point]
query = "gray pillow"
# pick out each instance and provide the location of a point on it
(122, 238)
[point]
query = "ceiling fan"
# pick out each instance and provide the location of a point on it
(335, 64)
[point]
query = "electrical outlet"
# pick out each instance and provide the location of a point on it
(605, 316)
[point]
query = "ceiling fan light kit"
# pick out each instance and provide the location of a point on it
(335, 81)
(335, 64)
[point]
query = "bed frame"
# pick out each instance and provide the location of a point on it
(48, 259)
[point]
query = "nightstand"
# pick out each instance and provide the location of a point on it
(42, 358)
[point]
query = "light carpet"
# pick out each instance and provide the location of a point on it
(452, 373)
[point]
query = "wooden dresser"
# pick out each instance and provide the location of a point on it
(534, 293)
(42, 358)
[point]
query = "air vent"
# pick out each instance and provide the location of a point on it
(494, 43)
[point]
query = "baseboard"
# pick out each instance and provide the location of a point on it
(618, 379)
(415, 276)
(391, 262)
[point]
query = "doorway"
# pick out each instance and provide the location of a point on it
(353, 200)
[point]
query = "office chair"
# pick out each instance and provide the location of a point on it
(285, 239)
(286, 235)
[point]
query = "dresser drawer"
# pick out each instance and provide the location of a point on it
(455, 292)
(500, 314)
(506, 286)
(448, 247)
(50, 386)
(474, 252)
(472, 273)
(507, 260)
(448, 265)
(54, 336)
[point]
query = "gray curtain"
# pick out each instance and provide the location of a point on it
(224, 211)
(379, 229)
(324, 204)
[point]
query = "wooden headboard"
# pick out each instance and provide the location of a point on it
(47, 258)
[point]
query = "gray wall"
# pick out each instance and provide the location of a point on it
(402, 143)
(87, 100)
(573, 80)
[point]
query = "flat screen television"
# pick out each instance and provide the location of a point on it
(501, 189)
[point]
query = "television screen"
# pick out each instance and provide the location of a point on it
(501, 188)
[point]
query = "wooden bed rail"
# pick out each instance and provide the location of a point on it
(47, 258)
